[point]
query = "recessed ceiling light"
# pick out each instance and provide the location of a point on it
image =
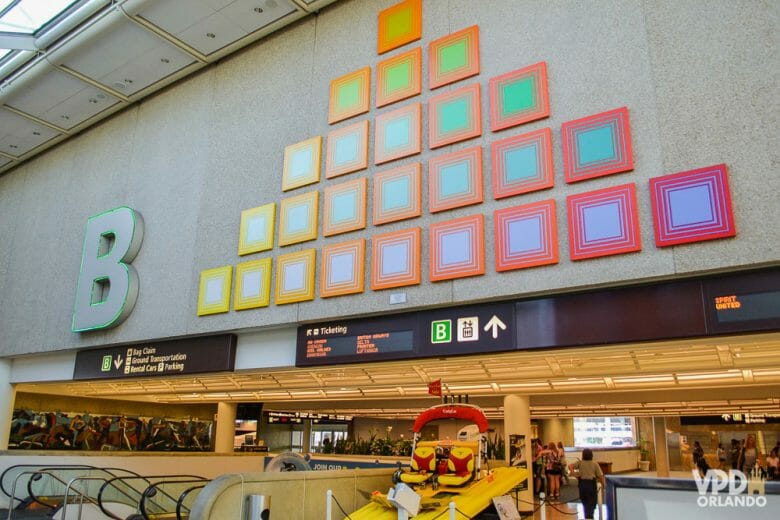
(129, 81)
(36, 132)
(211, 35)
(13, 146)
(63, 116)
(258, 9)
(120, 85)
(93, 100)
(165, 60)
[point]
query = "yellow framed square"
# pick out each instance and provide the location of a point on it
(295, 277)
(253, 285)
(298, 218)
(214, 291)
(256, 232)
(302, 163)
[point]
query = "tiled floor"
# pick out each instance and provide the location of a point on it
(568, 511)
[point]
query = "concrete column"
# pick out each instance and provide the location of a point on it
(661, 447)
(307, 436)
(517, 421)
(226, 427)
(7, 397)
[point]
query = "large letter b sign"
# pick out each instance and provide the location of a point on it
(108, 284)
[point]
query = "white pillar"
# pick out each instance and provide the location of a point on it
(661, 447)
(517, 423)
(226, 427)
(7, 397)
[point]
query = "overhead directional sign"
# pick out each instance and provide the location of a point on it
(470, 329)
(158, 358)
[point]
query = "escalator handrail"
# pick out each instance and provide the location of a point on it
(182, 498)
(39, 466)
(83, 495)
(55, 477)
(47, 470)
(145, 478)
(153, 488)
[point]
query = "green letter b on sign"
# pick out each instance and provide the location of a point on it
(441, 331)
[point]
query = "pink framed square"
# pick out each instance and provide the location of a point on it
(395, 260)
(603, 222)
(457, 248)
(522, 163)
(526, 236)
(455, 180)
(692, 206)
(597, 145)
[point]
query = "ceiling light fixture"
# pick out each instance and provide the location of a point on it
(211, 35)
(165, 60)
(36, 132)
(258, 10)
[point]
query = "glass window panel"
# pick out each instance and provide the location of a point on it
(30, 15)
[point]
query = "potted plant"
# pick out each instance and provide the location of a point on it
(644, 456)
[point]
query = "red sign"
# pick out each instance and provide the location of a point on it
(434, 387)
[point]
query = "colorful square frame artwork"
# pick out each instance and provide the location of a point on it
(597, 145)
(692, 206)
(397, 194)
(519, 97)
(295, 277)
(522, 163)
(455, 180)
(526, 236)
(399, 77)
(454, 57)
(398, 134)
(256, 232)
(345, 207)
(298, 218)
(457, 248)
(214, 290)
(455, 116)
(253, 285)
(349, 95)
(399, 25)
(302, 163)
(343, 268)
(395, 259)
(347, 150)
(603, 222)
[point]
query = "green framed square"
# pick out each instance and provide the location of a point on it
(399, 77)
(455, 116)
(214, 290)
(302, 163)
(349, 95)
(256, 232)
(253, 285)
(454, 57)
(298, 218)
(519, 97)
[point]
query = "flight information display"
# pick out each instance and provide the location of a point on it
(355, 341)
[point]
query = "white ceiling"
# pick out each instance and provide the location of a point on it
(108, 54)
(708, 375)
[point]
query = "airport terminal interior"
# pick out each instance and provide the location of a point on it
(389, 259)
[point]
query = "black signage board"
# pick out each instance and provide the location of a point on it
(355, 341)
(472, 329)
(158, 358)
(612, 316)
(743, 302)
(728, 419)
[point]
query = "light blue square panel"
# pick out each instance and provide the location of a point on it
(521, 163)
(344, 207)
(602, 222)
(454, 115)
(251, 284)
(691, 205)
(342, 268)
(395, 259)
(395, 193)
(454, 179)
(256, 229)
(398, 133)
(346, 149)
(596, 144)
(455, 247)
(301, 163)
(294, 276)
(525, 235)
(297, 218)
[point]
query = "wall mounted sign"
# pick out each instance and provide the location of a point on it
(158, 358)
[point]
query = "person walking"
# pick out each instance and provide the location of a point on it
(588, 473)
(553, 470)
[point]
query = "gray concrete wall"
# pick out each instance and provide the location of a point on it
(700, 81)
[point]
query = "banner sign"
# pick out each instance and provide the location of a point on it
(158, 358)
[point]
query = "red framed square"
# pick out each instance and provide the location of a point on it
(692, 206)
(597, 145)
(522, 163)
(457, 248)
(526, 236)
(603, 222)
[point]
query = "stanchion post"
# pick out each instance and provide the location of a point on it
(542, 508)
(452, 510)
(328, 504)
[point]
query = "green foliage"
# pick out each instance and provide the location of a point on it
(496, 447)
(374, 445)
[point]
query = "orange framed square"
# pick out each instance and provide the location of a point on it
(395, 259)
(398, 134)
(454, 57)
(457, 248)
(399, 25)
(349, 95)
(345, 207)
(399, 77)
(352, 139)
(399, 202)
(343, 268)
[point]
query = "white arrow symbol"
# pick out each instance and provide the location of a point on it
(495, 324)
(118, 362)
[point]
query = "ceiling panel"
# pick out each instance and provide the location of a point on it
(122, 56)
(19, 135)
